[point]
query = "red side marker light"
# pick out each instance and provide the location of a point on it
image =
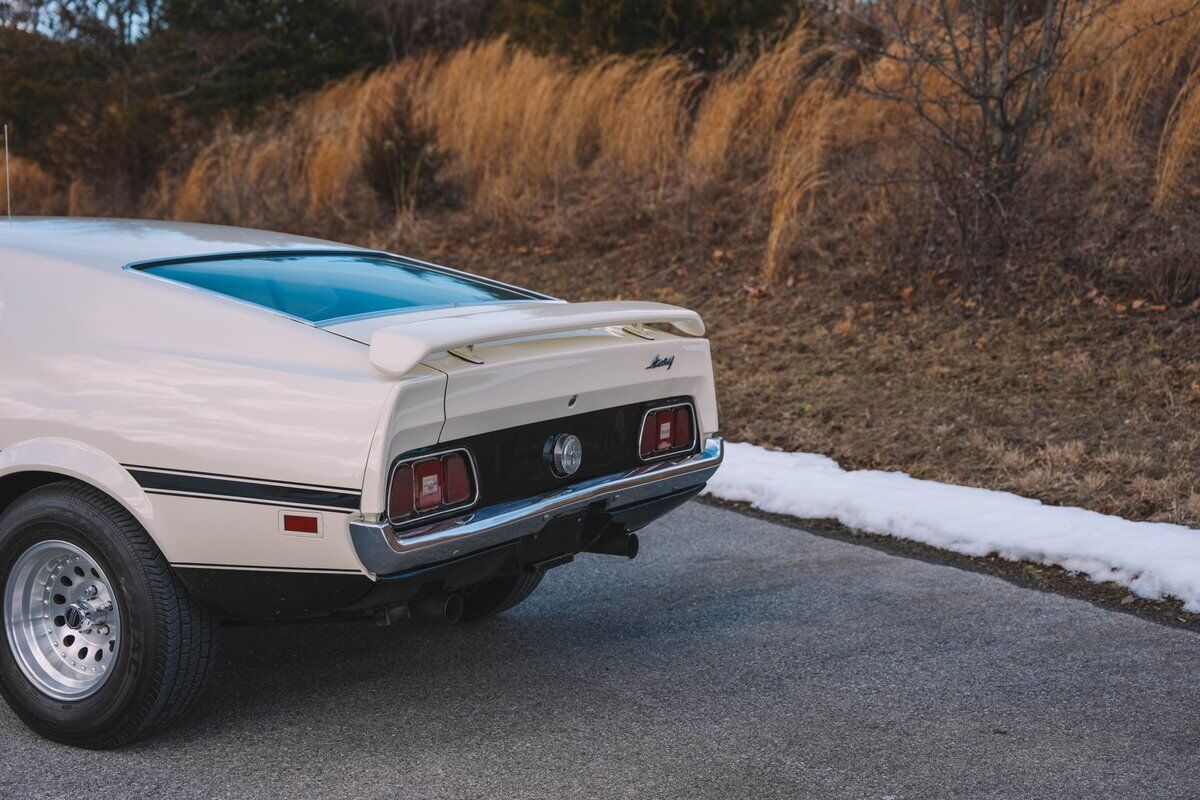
(300, 523)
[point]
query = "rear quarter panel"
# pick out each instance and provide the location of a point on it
(159, 375)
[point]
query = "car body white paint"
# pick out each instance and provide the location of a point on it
(105, 370)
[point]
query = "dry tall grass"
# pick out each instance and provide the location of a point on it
(511, 125)
(516, 128)
(34, 192)
(796, 172)
(1131, 97)
(515, 131)
(1180, 145)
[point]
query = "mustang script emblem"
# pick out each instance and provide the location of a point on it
(661, 361)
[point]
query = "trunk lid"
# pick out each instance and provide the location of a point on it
(552, 376)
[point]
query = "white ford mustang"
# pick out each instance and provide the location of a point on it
(201, 423)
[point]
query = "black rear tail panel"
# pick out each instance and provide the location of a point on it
(511, 463)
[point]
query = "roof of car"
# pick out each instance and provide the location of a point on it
(113, 243)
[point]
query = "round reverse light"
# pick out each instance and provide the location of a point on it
(566, 454)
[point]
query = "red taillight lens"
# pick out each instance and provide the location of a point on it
(664, 430)
(401, 503)
(430, 485)
(648, 436)
(683, 427)
(458, 481)
(667, 430)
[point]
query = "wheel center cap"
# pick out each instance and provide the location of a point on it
(77, 614)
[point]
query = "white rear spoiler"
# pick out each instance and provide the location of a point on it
(397, 349)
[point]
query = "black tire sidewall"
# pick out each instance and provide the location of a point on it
(497, 595)
(118, 702)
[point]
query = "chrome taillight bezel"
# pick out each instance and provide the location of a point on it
(675, 451)
(442, 512)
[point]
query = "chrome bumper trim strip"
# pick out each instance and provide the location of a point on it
(383, 552)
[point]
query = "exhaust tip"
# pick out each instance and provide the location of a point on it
(440, 607)
(615, 543)
(631, 546)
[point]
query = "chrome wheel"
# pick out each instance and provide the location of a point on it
(62, 620)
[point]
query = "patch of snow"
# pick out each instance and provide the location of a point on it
(1153, 559)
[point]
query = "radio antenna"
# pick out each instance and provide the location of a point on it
(7, 179)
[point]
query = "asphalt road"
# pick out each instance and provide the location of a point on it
(734, 658)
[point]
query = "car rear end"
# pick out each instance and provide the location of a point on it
(553, 444)
(519, 430)
(261, 435)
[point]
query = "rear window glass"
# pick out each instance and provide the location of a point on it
(329, 286)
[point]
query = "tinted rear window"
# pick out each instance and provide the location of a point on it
(324, 287)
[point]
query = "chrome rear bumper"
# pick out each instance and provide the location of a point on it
(383, 552)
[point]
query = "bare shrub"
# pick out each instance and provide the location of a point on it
(410, 26)
(985, 79)
(401, 161)
(976, 74)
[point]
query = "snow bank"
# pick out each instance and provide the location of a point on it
(1153, 559)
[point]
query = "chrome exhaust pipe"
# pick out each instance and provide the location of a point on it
(615, 543)
(438, 607)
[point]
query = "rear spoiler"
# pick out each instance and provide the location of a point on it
(397, 349)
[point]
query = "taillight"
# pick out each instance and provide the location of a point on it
(431, 485)
(458, 480)
(666, 431)
(683, 427)
(401, 502)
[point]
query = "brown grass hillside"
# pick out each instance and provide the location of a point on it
(788, 205)
(512, 134)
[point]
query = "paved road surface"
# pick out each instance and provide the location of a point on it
(734, 659)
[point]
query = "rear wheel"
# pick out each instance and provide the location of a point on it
(498, 595)
(102, 644)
